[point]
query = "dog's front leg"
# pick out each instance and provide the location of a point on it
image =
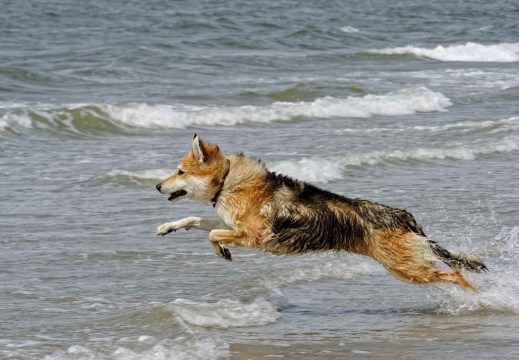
(187, 223)
(219, 238)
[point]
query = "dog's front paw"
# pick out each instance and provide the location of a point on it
(166, 229)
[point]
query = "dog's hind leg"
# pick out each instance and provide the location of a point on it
(428, 274)
(187, 223)
(408, 257)
(457, 278)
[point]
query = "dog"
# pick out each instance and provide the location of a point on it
(259, 208)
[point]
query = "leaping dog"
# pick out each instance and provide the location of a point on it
(259, 208)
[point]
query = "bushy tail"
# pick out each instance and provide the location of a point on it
(456, 260)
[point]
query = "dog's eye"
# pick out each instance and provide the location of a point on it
(180, 172)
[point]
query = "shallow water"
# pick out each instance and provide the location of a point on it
(413, 105)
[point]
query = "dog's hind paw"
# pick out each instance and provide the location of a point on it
(225, 253)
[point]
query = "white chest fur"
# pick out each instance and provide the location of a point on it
(225, 216)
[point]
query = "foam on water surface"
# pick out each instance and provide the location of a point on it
(148, 348)
(323, 170)
(403, 102)
(329, 169)
(225, 313)
(349, 29)
(107, 117)
(140, 176)
(499, 288)
(309, 169)
(469, 52)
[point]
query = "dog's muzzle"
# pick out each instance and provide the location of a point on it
(174, 195)
(177, 194)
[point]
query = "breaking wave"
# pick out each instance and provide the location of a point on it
(470, 52)
(138, 177)
(193, 344)
(225, 313)
(323, 170)
(309, 169)
(113, 118)
(490, 126)
(149, 348)
(423, 154)
(349, 30)
(403, 102)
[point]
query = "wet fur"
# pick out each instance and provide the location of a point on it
(282, 215)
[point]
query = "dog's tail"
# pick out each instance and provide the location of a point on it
(457, 260)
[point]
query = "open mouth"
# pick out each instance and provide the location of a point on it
(177, 194)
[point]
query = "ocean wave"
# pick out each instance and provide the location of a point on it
(324, 170)
(225, 313)
(349, 30)
(425, 154)
(307, 169)
(490, 126)
(403, 102)
(149, 348)
(81, 119)
(138, 177)
(470, 78)
(469, 52)
(310, 169)
(14, 122)
(73, 120)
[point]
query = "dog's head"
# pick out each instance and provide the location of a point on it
(198, 176)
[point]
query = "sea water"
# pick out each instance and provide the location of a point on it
(413, 104)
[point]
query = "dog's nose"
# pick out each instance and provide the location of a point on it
(158, 187)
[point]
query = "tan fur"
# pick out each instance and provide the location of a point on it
(256, 208)
(408, 257)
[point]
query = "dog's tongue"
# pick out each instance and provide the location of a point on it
(177, 194)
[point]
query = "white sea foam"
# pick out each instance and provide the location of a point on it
(403, 102)
(178, 349)
(324, 170)
(11, 121)
(71, 118)
(181, 348)
(310, 169)
(142, 175)
(469, 78)
(491, 126)
(471, 52)
(498, 294)
(349, 29)
(498, 288)
(458, 153)
(225, 313)
(425, 154)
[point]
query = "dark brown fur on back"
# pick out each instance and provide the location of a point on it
(318, 220)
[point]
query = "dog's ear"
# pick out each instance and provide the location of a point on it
(198, 150)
